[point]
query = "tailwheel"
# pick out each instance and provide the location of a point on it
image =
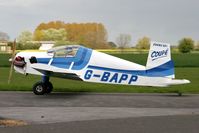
(49, 87)
(39, 88)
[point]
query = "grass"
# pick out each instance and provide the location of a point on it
(181, 60)
(187, 67)
(4, 60)
(21, 83)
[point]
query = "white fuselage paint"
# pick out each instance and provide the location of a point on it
(99, 59)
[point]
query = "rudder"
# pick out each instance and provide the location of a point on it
(158, 59)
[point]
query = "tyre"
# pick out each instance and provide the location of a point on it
(49, 87)
(39, 88)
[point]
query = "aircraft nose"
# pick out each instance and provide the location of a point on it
(19, 61)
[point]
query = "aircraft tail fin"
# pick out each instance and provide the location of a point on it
(159, 61)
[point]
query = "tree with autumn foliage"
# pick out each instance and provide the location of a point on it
(143, 43)
(93, 35)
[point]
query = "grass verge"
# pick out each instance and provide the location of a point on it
(22, 83)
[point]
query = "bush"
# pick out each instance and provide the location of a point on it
(143, 43)
(27, 46)
(186, 45)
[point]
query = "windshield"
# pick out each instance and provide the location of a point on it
(64, 51)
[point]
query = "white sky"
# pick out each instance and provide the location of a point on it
(161, 20)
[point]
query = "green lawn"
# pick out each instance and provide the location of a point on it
(4, 60)
(23, 83)
(180, 60)
(187, 67)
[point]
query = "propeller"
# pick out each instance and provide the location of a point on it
(12, 60)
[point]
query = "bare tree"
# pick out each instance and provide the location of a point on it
(4, 36)
(123, 41)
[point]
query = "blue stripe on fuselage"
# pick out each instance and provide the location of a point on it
(43, 60)
(160, 71)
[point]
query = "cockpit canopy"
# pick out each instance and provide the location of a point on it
(64, 51)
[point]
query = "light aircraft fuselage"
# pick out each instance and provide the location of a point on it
(81, 63)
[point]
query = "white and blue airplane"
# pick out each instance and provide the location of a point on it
(81, 63)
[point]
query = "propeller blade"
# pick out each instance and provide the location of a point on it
(12, 66)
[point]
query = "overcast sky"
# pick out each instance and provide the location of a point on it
(161, 20)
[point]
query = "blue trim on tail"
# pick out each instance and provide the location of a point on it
(166, 69)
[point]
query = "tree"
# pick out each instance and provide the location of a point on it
(112, 44)
(38, 35)
(197, 46)
(50, 35)
(54, 35)
(123, 40)
(4, 36)
(93, 35)
(24, 37)
(186, 45)
(24, 41)
(143, 43)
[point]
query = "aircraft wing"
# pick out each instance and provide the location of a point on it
(54, 71)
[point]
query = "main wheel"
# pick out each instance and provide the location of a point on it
(39, 88)
(49, 87)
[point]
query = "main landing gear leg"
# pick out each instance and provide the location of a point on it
(42, 87)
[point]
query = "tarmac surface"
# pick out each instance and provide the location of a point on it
(97, 113)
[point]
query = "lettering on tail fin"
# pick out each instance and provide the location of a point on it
(159, 54)
(159, 44)
(158, 58)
